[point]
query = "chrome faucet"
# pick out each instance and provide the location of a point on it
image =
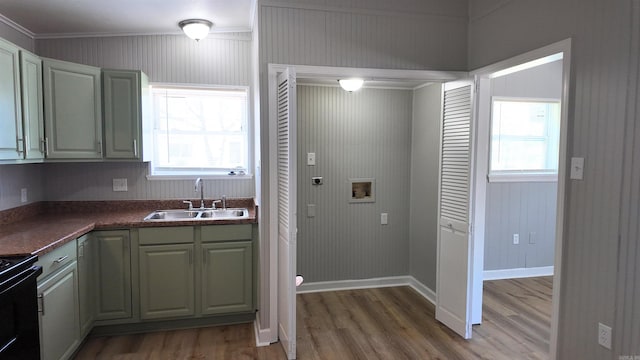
(199, 182)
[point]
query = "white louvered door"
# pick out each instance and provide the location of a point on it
(287, 222)
(454, 277)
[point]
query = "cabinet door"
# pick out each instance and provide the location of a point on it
(227, 277)
(32, 107)
(166, 281)
(11, 137)
(113, 274)
(59, 325)
(73, 110)
(86, 282)
(122, 113)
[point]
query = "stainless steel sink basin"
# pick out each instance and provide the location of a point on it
(197, 214)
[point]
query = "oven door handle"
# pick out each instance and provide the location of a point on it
(16, 281)
(8, 344)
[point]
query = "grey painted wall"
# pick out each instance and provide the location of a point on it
(13, 178)
(365, 134)
(425, 161)
(406, 34)
(217, 59)
(527, 209)
(601, 279)
(10, 34)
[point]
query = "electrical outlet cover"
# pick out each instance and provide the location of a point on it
(604, 335)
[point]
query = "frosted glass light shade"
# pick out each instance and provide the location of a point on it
(197, 29)
(351, 84)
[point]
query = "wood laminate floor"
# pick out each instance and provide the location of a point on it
(384, 323)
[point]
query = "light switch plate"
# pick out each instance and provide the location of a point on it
(384, 219)
(23, 195)
(577, 168)
(311, 159)
(120, 185)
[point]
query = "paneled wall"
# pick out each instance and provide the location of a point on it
(527, 209)
(425, 161)
(14, 178)
(11, 34)
(365, 134)
(600, 272)
(405, 34)
(217, 59)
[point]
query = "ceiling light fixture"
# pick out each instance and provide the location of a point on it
(197, 29)
(351, 85)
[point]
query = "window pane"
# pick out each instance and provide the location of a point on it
(200, 129)
(525, 136)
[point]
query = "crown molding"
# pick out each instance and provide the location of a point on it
(218, 33)
(14, 25)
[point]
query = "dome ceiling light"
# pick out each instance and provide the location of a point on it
(351, 85)
(197, 29)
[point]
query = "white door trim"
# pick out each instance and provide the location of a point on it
(524, 61)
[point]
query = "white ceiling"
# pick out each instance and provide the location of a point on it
(56, 18)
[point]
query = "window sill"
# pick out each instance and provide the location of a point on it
(204, 177)
(515, 177)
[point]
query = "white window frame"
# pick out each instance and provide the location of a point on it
(189, 175)
(519, 175)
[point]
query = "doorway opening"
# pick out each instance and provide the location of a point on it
(519, 212)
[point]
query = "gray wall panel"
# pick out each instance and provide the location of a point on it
(425, 151)
(217, 60)
(527, 209)
(604, 73)
(10, 34)
(365, 134)
(13, 178)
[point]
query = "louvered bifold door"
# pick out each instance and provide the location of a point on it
(453, 304)
(286, 112)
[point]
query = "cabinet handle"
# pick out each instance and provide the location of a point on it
(60, 259)
(19, 145)
(135, 147)
(41, 304)
(99, 147)
(46, 146)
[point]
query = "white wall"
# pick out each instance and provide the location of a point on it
(425, 161)
(601, 279)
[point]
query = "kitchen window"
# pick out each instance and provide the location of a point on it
(200, 131)
(525, 135)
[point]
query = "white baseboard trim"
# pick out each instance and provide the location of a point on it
(321, 286)
(263, 336)
(517, 273)
(423, 290)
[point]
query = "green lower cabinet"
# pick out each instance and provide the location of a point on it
(59, 323)
(112, 274)
(86, 284)
(166, 281)
(227, 277)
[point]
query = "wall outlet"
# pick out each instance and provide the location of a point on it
(384, 219)
(604, 335)
(516, 239)
(316, 180)
(23, 195)
(120, 185)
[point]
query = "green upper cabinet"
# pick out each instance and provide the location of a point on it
(11, 137)
(32, 107)
(73, 110)
(125, 95)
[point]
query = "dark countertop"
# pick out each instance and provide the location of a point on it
(41, 228)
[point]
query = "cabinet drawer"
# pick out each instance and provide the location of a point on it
(226, 232)
(57, 258)
(166, 235)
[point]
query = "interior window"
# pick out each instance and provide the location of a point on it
(199, 131)
(525, 137)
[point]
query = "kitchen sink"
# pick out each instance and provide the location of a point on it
(197, 214)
